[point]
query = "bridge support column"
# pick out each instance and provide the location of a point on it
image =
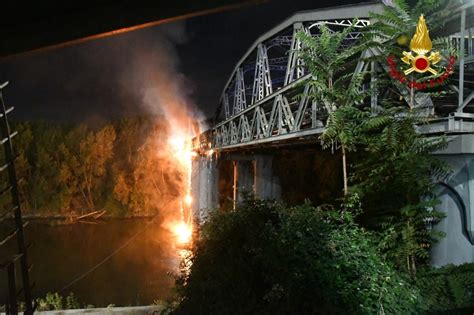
(243, 179)
(254, 175)
(267, 185)
(457, 203)
(204, 186)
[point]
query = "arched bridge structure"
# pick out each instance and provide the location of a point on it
(265, 99)
(266, 122)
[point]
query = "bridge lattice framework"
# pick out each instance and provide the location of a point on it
(266, 99)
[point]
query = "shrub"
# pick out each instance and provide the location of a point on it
(265, 258)
(447, 289)
(72, 302)
(54, 301)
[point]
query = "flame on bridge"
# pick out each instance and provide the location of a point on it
(181, 147)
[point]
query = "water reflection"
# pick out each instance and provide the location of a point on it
(139, 273)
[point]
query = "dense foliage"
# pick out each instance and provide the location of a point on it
(396, 176)
(122, 168)
(329, 58)
(397, 192)
(266, 258)
(448, 288)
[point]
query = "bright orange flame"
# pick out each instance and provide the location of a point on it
(188, 199)
(180, 147)
(183, 232)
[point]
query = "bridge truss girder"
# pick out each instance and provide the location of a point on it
(234, 98)
(267, 110)
(262, 84)
(240, 102)
(280, 115)
(295, 69)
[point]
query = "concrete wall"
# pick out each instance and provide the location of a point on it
(457, 202)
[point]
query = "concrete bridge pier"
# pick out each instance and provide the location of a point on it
(231, 177)
(204, 186)
(254, 175)
(267, 183)
(243, 179)
(457, 203)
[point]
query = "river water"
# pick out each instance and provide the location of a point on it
(137, 274)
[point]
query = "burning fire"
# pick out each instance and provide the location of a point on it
(183, 232)
(188, 200)
(180, 145)
(181, 148)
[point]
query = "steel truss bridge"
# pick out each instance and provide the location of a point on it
(266, 99)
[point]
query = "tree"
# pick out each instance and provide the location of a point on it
(397, 173)
(21, 145)
(156, 180)
(343, 127)
(94, 152)
(69, 168)
(396, 177)
(329, 58)
(69, 156)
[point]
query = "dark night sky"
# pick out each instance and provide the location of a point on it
(100, 80)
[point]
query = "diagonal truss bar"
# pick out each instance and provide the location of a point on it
(239, 94)
(225, 100)
(294, 69)
(262, 85)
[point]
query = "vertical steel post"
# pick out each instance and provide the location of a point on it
(234, 187)
(314, 114)
(373, 96)
(255, 180)
(5, 129)
(469, 42)
(461, 59)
